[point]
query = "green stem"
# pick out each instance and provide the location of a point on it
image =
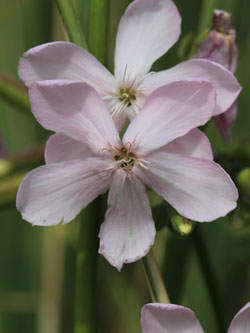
(26, 160)
(14, 94)
(85, 297)
(206, 13)
(71, 23)
(97, 28)
(209, 277)
(86, 267)
(153, 276)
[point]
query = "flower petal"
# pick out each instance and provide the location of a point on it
(226, 85)
(74, 109)
(170, 112)
(224, 121)
(61, 148)
(193, 144)
(146, 31)
(241, 321)
(57, 192)
(128, 231)
(64, 61)
(198, 189)
(120, 120)
(168, 318)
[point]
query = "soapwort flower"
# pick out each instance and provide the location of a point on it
(172, 318)
(146, 31)
(161, 148)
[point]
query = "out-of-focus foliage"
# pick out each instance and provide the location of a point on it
(38, 265)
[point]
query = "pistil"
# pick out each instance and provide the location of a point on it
(125, 159)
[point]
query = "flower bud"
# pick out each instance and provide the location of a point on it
(182, 225)
(219, 45)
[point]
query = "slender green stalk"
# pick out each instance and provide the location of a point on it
(153, 276)
(209, 277)
(14, 94)
(23, 161)
(71, 23)
(85, 295)
(86, 266)
(97, 28)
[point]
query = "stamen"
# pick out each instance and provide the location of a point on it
(126, 96)
(125, 159)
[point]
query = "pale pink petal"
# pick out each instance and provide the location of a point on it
(226, 85)
(132, 111)
(56, 193)
(146, 31)
(170, 112)
(64, 61)
(193, 144)
(224, 122)
(241, 321)
(119, 119)
(221, 48)
(74, 109)
(168, 318)
(199, 189)
(61, 148)
(128, 230)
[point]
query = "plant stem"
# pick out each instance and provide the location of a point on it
(206, 13)
(153, 276)
(86, 266)
(209, 277)
(97, 28)
(85, 296)
(15, 94)
(71, 23)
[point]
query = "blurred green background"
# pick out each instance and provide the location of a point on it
(37, 265)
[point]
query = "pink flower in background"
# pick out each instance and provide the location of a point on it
(220, 46)
(161, 148)
(172, 318)
(146, 31)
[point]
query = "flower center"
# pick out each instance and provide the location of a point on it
(127, 96)
(125, 159)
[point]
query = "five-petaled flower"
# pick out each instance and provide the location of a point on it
(172, 318)
(146, 31)
(161, 148)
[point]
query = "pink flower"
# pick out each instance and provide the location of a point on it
(172, 318)
(220, 46)
(161, 148)
(146, 31)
